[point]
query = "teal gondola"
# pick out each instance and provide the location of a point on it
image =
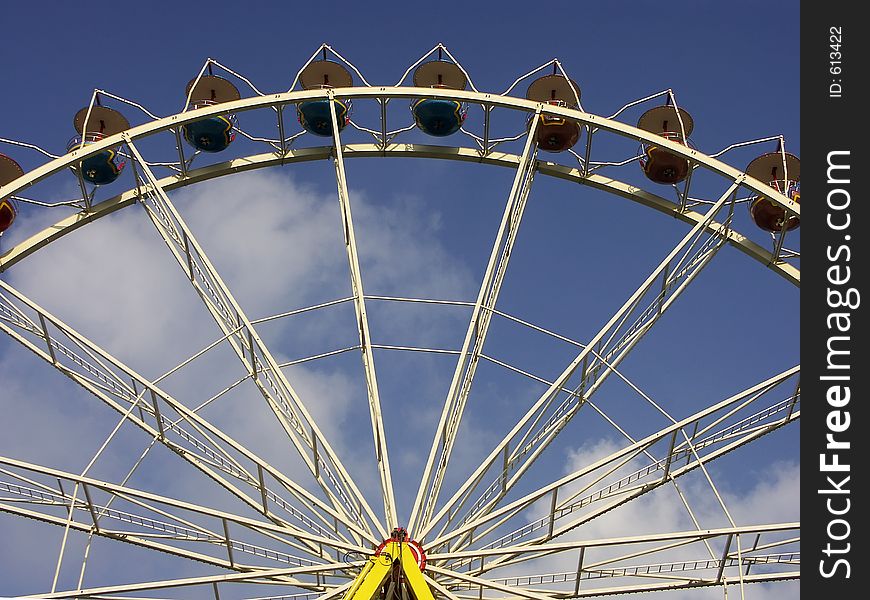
(439, 117)
(315, 116)
(103, 167)
(215, 133)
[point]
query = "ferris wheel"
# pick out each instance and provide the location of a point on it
(517, 523)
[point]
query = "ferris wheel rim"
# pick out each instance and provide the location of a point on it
(488, 100)
(25, 248)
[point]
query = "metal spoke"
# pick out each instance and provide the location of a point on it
(664, 570)
(265, 373)
(380, 439)
(176, 525)
(489, 584)
(524, 443)
(664, 583)
(555, 547)
(623, 565)
(612, 495)
(475, 336)
(163, 529)
(155, 408)
(129, 538)
(628, 452)
(257, 575)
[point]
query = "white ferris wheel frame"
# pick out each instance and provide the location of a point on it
(344, 522)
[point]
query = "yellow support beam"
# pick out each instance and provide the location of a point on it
(373, 576)
(414, 576)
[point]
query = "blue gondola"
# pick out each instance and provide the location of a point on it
(212, 134)
(103, 167)
(439, 117)
(215, 133)
(315, 115)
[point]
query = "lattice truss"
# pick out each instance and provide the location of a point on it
(495, 535)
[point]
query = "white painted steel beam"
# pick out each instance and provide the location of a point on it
(657, 587)
(382, 455)
(664, 570)
(649, 545)
(272, 101)
(605, 358)
(207, 457)
(303, 431)
(256, 575)
(515, 440)
(638, 480)
(543, 542)
(475, 335)
(629, 450)
(149, 500)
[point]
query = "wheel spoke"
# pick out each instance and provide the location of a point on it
(488, 584)
(536, 429)
(264, 371)
(646, 478)
(284, 576)
(616, 558)
(621, 457)
(662, 570)
(380, 439)
(159, 415)
(475, 336)
(156, 521)
(612, 496)
(671, 576)
(553, 547)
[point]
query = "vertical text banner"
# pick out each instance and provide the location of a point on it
(835, 454)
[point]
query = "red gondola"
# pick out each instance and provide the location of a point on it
(660, 165)
(781, 171)
(555, 134)
(9, 172)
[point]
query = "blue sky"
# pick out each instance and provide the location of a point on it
(425, 230)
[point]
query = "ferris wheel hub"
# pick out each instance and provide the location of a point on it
(400, 535)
